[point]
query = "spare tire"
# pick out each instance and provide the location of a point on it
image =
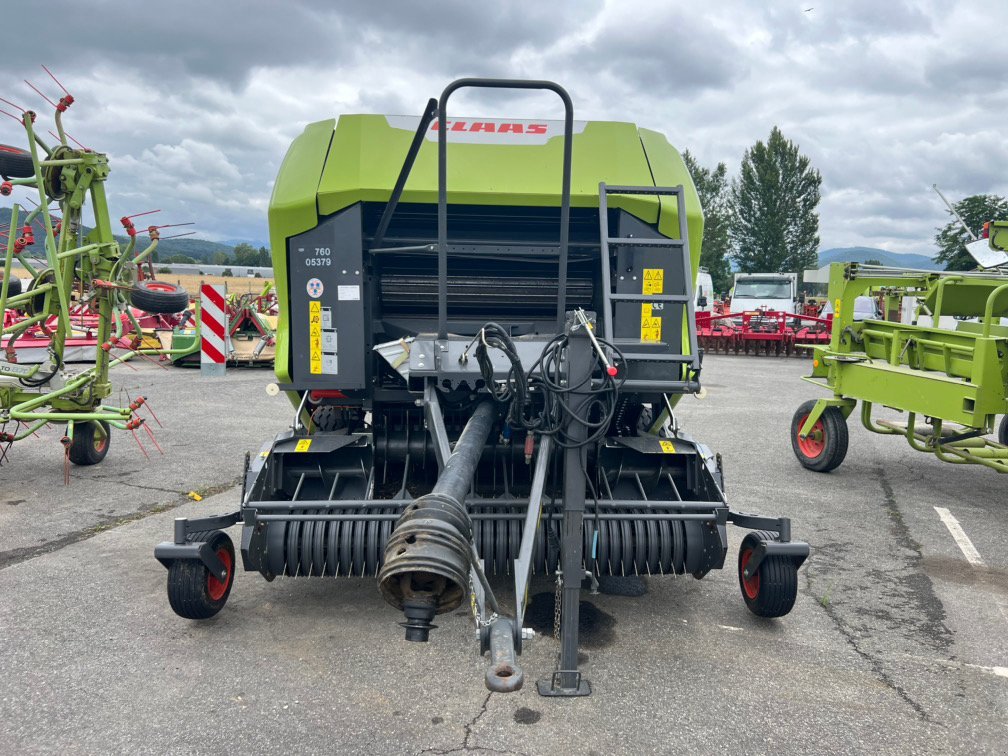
(158, 297)
(15, 162)
(13, 286)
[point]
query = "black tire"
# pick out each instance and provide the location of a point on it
(329, 419)
(15, 162)
(158, 297)
(88, 447)
(1003, 431)
(826, 447)
(36, 305)
(193, 592)
(13, 286)
(772, 590)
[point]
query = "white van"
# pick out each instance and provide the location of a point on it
(704, 291)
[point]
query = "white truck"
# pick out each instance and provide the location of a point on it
(765, 291)
(704, 291)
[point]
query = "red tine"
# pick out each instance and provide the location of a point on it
(153, 440)
(18, 107)
(146, 212)
(173, 225)
(36, 90)
(56, 80)
(137, 439)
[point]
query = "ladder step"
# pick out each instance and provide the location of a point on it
(681, 298)
(633, 241)
(664, 190)
(656, 357)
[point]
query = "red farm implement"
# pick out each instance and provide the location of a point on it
(761, 332)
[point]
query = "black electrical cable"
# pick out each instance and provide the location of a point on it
(545, 377)
(36, 382)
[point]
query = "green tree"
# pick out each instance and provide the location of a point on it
(219, 258)
(712, 188)
(264, 258)
(951, 239)
(246, 255)
(182, 259)
(872, 261)
(775, 226)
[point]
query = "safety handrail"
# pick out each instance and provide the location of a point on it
(443, 185)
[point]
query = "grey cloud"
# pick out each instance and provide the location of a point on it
(196, 102)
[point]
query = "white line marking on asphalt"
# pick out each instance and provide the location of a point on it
(969, 551)
(996, 671)
(730, 627)
(959, 535)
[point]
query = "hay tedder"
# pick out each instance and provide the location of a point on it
(951, 383)
(485, 327)
(85, 291)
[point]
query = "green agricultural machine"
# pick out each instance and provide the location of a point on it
(84, 281)
(951, 383)
(485, 327)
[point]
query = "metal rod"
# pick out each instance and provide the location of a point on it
(428, 115)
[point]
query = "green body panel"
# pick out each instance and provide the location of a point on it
(335, 164)
(292, 210)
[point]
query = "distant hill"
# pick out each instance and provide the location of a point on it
(254, 242)
(860, 254)
(198, 249)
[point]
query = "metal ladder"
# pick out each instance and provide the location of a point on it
(609, 297)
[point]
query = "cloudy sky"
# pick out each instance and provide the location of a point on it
(196, 102)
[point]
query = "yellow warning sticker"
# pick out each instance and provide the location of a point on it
(654, 280)
(836, 308)
(650, 326)
(315, 337)
(667, 446)
(303, 445)
(264, 454)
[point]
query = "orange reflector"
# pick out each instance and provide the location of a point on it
(815, 363)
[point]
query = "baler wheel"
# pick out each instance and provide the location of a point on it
(15, 162)
(192, 591)
(772, 589)
(158, 297)
(826, 446)
(88, 446)
(13, 285)
(1003, 431)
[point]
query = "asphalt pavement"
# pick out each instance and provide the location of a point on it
(897, 643)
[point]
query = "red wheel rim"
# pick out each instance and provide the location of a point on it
(750, 585)
(100, 444)
(215, 588)
(159, 286)
(812, 445)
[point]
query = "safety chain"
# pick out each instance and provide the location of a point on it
(557, 601)
(480, 623)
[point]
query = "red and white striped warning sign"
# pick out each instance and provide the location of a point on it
(213, 330)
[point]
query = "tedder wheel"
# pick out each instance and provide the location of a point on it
(1003, 431)
(89, 446)
(158, 297)
(15, 162)
(826, 446)
(772, 589)
(192, 591)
